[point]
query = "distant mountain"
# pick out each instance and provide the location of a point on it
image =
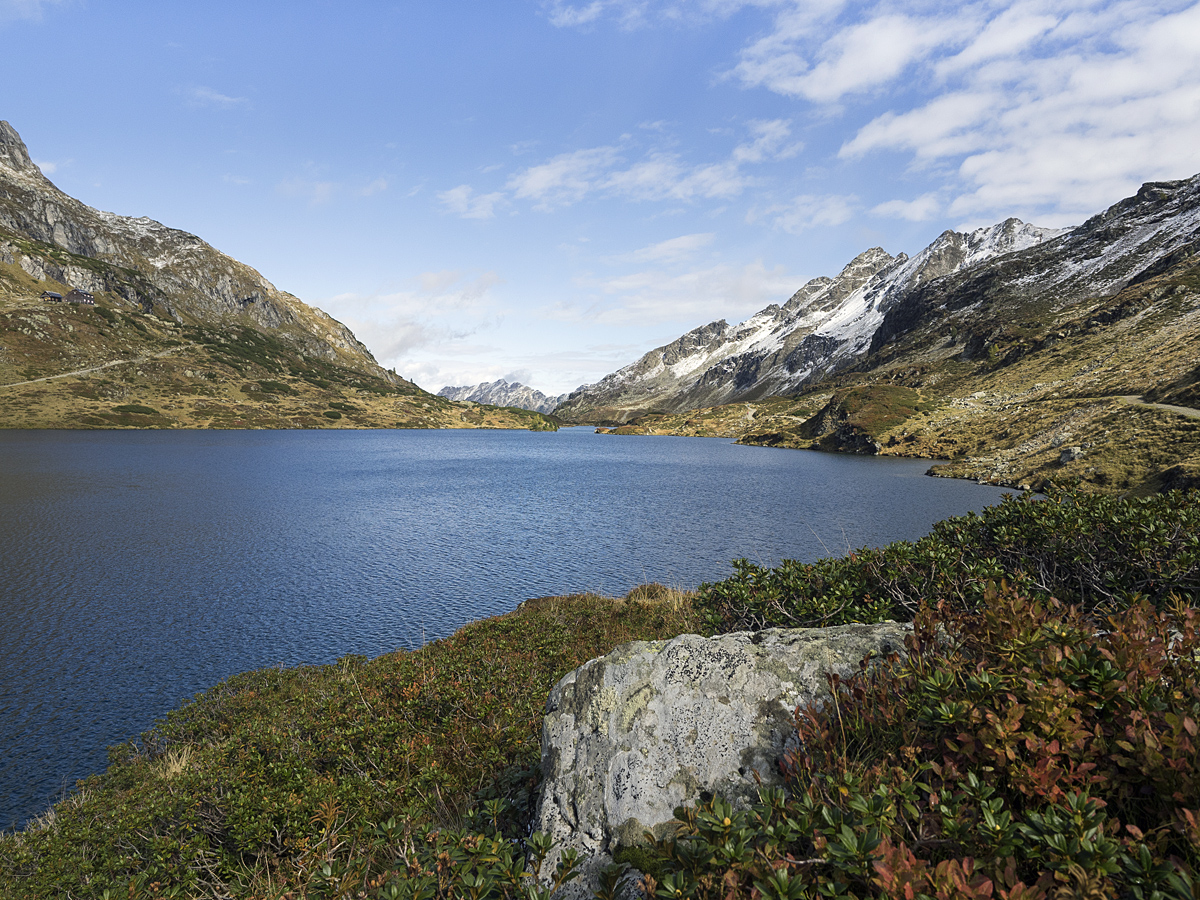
(826, 324)
(502, 393)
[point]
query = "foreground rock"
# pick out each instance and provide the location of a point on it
(630, 736)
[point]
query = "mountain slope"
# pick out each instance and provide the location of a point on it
(180, 335)
(1073, 360)
(147, 263)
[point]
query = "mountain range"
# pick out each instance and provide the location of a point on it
(830, 324)
(504, 393)
(1023, 355)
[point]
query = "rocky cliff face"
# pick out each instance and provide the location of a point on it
(55, 237)
(502, 393)
(1133, 241)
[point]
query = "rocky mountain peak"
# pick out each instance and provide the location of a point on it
(503, 393)
(865, 265)
(13, 152)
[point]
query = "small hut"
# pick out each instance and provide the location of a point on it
(82, 297)
(52, 296)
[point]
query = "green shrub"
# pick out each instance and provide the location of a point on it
(283, 780)
(1098, 551)
(1022, 750)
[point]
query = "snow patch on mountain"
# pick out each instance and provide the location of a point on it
(825, 324)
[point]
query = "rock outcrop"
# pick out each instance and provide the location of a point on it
(630, 736)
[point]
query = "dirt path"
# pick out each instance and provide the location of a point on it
(107, 365)
(1134, 400)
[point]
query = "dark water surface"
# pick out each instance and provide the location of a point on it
(137, 568)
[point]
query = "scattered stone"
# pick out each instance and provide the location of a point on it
(1070, 454)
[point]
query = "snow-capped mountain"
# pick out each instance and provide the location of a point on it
(962, 287)
(502, 393)
(825, 324)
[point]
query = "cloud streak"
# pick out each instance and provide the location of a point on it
(656, 295)
(1050, 108)
(658, 175)
(428, 314)
(206, 96)
(13, 10)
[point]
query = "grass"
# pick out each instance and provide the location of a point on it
(271, 774)
(230, 376)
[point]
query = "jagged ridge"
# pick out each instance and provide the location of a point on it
(830, 324)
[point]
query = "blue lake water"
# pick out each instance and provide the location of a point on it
(138, 568)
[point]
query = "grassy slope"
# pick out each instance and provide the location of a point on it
(274, 772)
(151, 372)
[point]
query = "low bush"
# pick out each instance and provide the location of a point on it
(1098, 551)
(1021, 751)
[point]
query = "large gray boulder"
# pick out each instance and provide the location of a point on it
(631, 735)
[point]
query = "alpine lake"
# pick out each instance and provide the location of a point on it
(138, 568)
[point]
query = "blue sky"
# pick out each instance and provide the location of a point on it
(543, 191)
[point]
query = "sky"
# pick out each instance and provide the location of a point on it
(544, 190)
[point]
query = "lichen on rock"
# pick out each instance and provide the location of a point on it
(632, 735)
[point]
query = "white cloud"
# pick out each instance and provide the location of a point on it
(429, 314)
(653, 296)
(206, 96)
(565, 179)
(315, 191)
(675, 250)
(769, 143)
(48, 168)
(636, 13)
(1048, 109)
(859, 57)
(463, 201)
(922, 209)
(378, 186)
(11, 10)
(672, 250)
(659, 175)
(809, 211)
